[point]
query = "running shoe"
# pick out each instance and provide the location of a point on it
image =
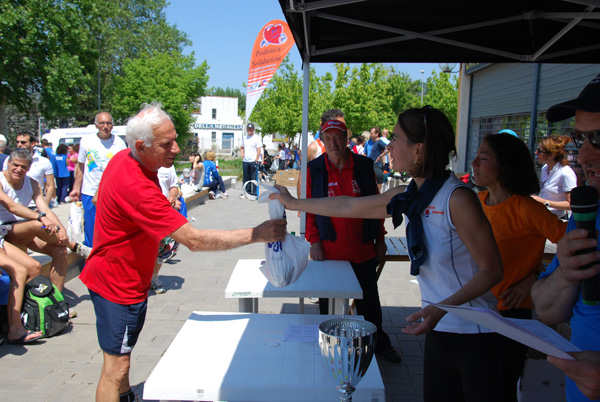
(211, 195)
(157, 286)
(82, 250)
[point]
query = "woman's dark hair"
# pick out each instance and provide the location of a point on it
(62, 149)
(431, 127)
(516, 171)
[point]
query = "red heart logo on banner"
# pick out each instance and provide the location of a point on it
(272, 33)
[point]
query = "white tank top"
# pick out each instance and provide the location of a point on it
(449, 265)
(22, 196)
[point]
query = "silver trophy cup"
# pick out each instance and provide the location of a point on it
(347, 346)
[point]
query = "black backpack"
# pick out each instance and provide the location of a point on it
(44, 307)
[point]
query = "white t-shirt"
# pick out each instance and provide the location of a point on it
(40, 168)
(95, 154)
(251, 145)
(167, 178)
(22, 196)
(555, 183)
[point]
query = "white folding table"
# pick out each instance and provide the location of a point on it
(242, 357)
(326, 279)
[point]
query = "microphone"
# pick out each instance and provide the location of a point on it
(584, 206)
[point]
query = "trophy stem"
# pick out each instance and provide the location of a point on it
(346, 391)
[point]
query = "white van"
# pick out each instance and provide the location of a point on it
(71, 136)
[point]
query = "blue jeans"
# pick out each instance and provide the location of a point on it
(89, 217)
(250, 170)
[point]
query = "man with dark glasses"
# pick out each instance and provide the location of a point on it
(557, 294)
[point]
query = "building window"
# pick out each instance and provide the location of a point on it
(482, 126)
(214, 114)
(213, 137)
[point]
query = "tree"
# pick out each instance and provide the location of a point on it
(442, 93)
(362, 94)
(169, 78)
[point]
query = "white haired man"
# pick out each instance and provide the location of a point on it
(132, 216)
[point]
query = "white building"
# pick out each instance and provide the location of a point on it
(217, 125)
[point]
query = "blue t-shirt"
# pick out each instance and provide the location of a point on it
(210, 171)
(376, 150)
(60, 166)
(585, 323)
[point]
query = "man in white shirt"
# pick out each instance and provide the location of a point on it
(41, 169)
(95, 151)
(251, 148)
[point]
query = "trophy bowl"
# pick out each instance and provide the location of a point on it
(347, 346)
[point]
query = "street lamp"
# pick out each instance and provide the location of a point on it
(448, 68)
(422, 84)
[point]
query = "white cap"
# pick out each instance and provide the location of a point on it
(3, 138)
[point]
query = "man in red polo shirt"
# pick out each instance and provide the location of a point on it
(339, 172)
(132, 217)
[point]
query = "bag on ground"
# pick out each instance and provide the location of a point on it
(75, 226)
(284, 261)
(44, 307)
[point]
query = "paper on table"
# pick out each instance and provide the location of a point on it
(531, 333)
(301, 333)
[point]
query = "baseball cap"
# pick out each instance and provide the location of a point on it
(186, 172)
(250, 125)
(3, 138)
(334, 124)
(587, 101)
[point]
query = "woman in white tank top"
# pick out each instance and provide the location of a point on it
(452, 250)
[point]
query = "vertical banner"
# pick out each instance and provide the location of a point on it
(270, 48)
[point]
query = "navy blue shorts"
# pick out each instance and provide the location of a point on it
(118, 325)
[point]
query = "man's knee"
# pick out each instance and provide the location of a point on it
(116, 368)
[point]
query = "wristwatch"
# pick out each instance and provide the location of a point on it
(40, 216)
(547, 204)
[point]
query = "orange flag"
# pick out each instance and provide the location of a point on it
(270, 48)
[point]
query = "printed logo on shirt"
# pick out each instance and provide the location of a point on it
(330, 193)
(355, 188)
(332, 184)
(431, 210)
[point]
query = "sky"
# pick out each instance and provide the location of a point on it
(223, 33)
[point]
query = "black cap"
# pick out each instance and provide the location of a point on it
(250, 125)
(587, 101)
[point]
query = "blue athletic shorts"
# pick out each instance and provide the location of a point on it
(118, 325)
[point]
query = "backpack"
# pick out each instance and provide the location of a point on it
(44, 307)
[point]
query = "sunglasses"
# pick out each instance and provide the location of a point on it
(579, 136)
(539, 151)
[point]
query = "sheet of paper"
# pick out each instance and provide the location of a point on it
(301, 333)
(531, 333)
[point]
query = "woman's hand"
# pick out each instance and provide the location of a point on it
(515, 295)
(423, 320)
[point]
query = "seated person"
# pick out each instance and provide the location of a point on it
(20, 269)
(197, 170)
(212, 179)
(40, 230)
(184, 178)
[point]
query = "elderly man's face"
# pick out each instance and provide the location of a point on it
(589, 156)
(17, 169)
(104, 124)
(164, 148)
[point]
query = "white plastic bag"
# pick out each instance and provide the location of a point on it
(75, 226)
(286, 261)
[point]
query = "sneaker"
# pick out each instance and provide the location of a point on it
(157, 286)
(225, 195)
(390, 355)
(82, 250)
(219, 196)
(211, 195)
(175, 246)
(242, 195)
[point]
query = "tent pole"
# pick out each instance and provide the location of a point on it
(304, 147)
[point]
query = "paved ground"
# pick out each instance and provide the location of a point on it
(66, 367)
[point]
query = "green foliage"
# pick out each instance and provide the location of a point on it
(442, 93)
(169, 78)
